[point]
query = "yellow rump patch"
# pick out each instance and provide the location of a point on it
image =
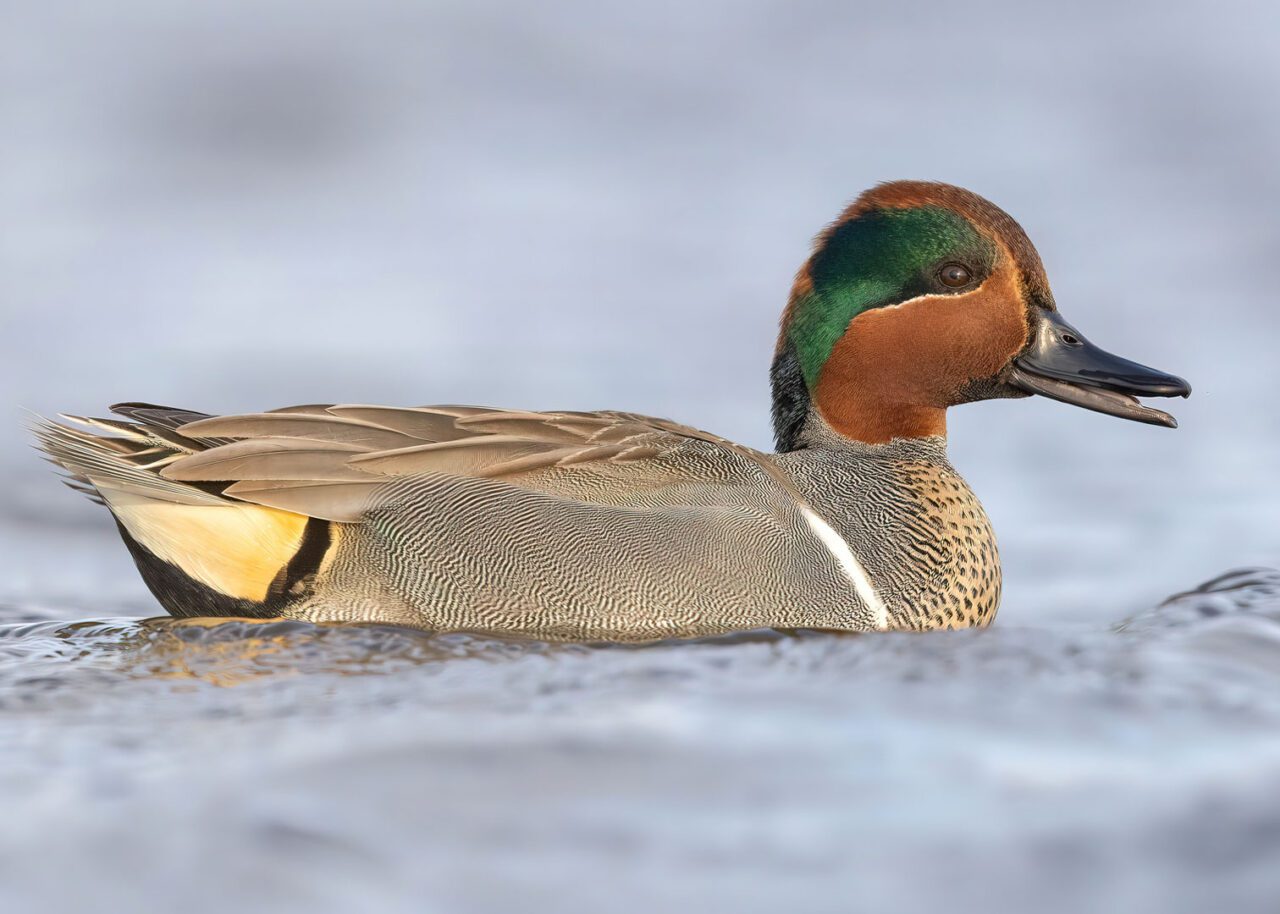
(237, 550)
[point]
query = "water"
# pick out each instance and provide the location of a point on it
(583, 205)
(243, 765)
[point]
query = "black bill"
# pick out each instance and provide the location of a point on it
(1061, 364)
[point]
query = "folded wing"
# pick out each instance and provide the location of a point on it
(328, 461)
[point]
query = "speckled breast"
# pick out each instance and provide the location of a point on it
(915, 525)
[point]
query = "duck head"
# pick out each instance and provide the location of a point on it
(922, 296)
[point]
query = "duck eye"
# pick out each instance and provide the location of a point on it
(955, 275)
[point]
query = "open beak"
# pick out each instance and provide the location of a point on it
(1062, 365)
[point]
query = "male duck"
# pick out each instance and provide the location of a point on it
(614, 525)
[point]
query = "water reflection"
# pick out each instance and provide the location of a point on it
(228, 652)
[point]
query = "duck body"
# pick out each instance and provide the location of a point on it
(691, 535)
(876, 541)
(607, 525)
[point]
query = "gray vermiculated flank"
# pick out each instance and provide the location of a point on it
(454, 552)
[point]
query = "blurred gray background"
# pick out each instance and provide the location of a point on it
(239, 206)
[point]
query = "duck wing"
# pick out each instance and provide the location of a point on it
(328, 461)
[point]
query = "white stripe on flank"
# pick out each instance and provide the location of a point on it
(849, 564)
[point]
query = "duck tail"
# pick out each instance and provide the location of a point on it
(200, 551)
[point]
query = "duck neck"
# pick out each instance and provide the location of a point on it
(879, 422)
(843, 408)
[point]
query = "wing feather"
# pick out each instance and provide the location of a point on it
(270, 458)
(344, 502)
(531, 427)
(462, 457)
(298, 425)
(328, 461)
(422, 423)
(153, 416)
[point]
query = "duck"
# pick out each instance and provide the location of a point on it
(610, 525)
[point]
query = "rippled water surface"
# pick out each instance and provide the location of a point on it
(216, 765)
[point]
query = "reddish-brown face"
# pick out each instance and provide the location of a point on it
(897, 368)
(922, 296)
